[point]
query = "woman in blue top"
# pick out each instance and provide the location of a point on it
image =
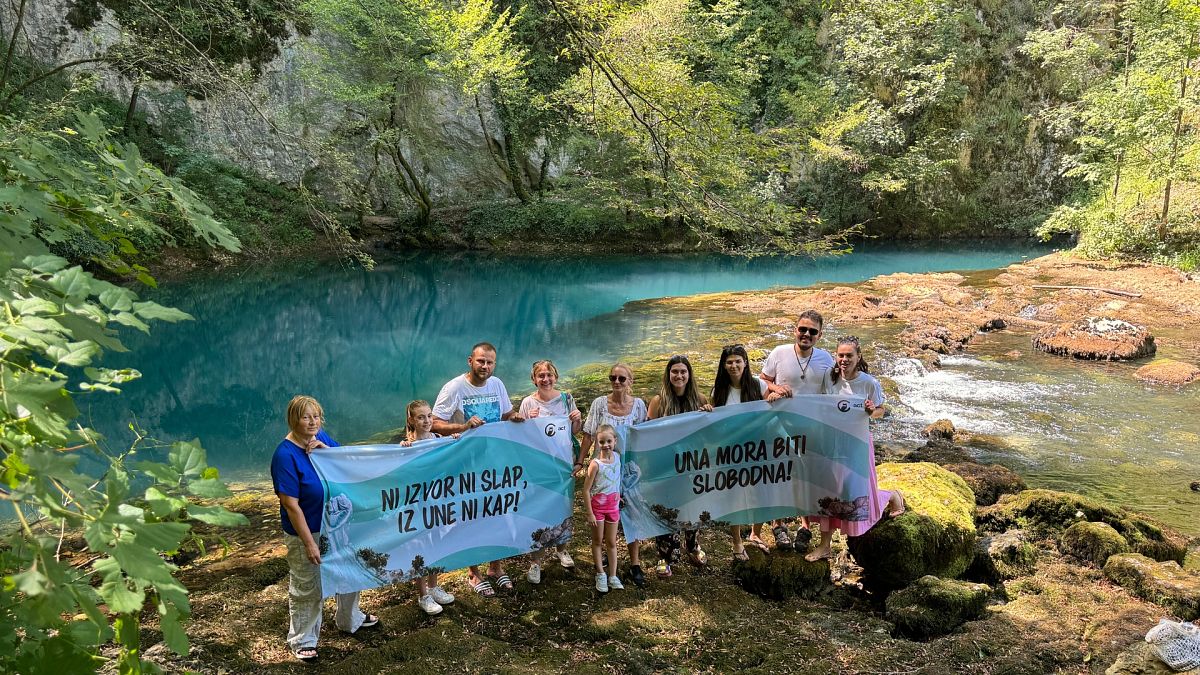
(301, 500)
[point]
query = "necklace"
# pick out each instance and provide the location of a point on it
(803, 367)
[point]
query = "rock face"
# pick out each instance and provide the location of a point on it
(781, 576)
(1092, 542)
(1163, 583)
(935, 536)
(1168, 371)
(1003, 556)
(1097, 338)
(1049, 513)
(931, 606)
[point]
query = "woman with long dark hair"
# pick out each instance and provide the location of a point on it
(735, 384)
(677, 394)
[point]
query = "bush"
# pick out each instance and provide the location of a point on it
(548, 222)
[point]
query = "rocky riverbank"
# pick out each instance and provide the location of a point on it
(980, 576)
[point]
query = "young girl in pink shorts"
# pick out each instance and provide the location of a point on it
(603, 486)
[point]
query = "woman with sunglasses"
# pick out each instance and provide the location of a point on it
(620, 408)
(735, 384)
(678, 394)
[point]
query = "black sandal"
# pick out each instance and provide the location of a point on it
(305, 653)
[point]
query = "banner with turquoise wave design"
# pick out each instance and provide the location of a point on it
(747, 463)
(394, 513)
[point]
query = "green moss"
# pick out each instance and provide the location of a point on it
(1048, 513)
(781, 576)
(1003, 556)
(1163, 583)
(931, 606)
(1092, 542)
(936, 535)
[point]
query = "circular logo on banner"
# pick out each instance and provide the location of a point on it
(843, 405)
(550, 430)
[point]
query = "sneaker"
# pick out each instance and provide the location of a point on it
(662, 569)
(564, 559)
(440, 596)
(602, 582)
(429, 605)
(636, 574)
(615, 584)
(535, 574)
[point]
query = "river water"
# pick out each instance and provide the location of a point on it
(367, 342)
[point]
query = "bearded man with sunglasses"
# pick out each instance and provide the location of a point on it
(791, 369)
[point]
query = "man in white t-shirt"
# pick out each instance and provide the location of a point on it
(468, 401)
(797, 368)
(791, 369)
(473, 398)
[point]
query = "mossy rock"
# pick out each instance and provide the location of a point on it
(931, 606)
(988, 481)
(1049, 513)
(1092, 542)
(1163, 583)
(1003, 556)
(942, 429)
(781, 576)
(936, 535)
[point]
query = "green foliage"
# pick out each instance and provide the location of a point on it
(543, 222)
(56, 320)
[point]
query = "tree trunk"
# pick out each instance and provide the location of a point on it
(1121, 154)
(1183, 85)
(412, 185)
(133, 101)
(515, 174)
(12, 44)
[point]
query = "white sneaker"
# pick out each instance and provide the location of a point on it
(602, 582)
(429, 605)
(615, 584)
(440, 596)
(564, 559)
(535, 574)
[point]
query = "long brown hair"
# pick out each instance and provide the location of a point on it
(668, 402)
(748, 384)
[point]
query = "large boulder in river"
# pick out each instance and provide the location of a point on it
(935, 536)
(1092, 542)
(1168, 371)
(1049, 513)
(931, 606)
(1163, 583)
(1097, 338)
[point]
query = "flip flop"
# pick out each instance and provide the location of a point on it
(305, 653)
(504, 582)
(826, 556)
(741, 555)
(484, 588)
(759, 544)
(369, 621)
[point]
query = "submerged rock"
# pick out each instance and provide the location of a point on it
(781, 576)
(1097, 338)
(936, 535)
(1003, 556)
(1163, 583)
(988, 481)
(1168, 371)
(931, 606)
(1092, 542)
(1048, 513)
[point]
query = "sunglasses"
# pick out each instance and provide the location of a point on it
(800, 330)
(618, 378)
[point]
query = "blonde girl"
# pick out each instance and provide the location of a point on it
(603, 487)
(418, 426)
(849, 377)
(548, 400)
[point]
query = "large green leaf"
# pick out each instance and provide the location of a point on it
(122, 595)
(76, 354)
(188, 457)
(172, 628)
(160, 536)
(216, 515)
(210, 488)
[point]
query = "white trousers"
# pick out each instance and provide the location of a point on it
(305, 602)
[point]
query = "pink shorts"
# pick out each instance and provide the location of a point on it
(607, 507)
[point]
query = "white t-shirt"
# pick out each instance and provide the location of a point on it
(862, 385)
(459, 401)
(598, 415)
(552, 407)
(802, 375)
(735, 395)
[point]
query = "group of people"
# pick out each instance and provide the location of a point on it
(477, 397)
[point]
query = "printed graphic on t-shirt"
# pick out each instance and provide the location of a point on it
(484, 406)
